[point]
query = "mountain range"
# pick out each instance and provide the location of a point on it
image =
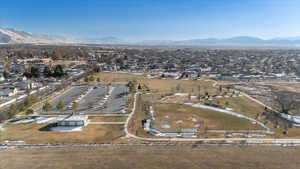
(105, 40)
(13, 36)
(234, 41)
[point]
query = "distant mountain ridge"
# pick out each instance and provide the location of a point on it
(13, 36)
(234, 41)
(105, 40)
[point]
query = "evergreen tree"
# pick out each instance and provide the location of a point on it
(75, 106)
(47, 72)
(60, 105)
(47, 107)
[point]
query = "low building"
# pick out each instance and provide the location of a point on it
(73, 120)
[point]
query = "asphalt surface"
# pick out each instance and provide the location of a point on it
(116, 102)
(93, 99)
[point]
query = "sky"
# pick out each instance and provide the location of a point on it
(154, 19)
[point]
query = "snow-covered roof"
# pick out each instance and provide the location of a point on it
(75, 118)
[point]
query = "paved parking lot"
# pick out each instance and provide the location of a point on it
(94, 99)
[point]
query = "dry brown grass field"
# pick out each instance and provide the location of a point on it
(241, 105)
(31, 134)
(159, 85)
(135, 125)
(152, 158)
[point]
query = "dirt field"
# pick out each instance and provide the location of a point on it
(211, 120)
(118, 77)
(31, 133)
(159, 85)
(152, 158)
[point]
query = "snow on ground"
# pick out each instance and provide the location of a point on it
(66, 129)
(39, 120)
(24, 121)
(165, 126)
(295, 119)
(1, 127)
(181, 94)
(227, 108)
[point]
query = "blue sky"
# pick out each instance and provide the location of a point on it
(154, 19)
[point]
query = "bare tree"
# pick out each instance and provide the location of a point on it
(286, 101)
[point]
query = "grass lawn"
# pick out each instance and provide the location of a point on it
(31, 133)
(254, 157)
(213, 120)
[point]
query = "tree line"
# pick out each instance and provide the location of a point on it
(34, 72)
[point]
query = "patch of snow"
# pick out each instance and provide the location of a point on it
(181, 94)
(179, 121)
(14, 142)
(227, 108)
(24, 121)
(165, 126)
(295, 119)
(1, 127)
(40, 120)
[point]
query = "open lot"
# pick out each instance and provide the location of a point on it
(160, 85)
(108, 77)
(152, 158)
(33, 133)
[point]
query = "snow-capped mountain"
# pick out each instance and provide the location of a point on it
(12, 36)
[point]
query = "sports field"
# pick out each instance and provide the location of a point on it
(178, 116)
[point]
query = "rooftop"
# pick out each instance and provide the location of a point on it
(75, 118)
